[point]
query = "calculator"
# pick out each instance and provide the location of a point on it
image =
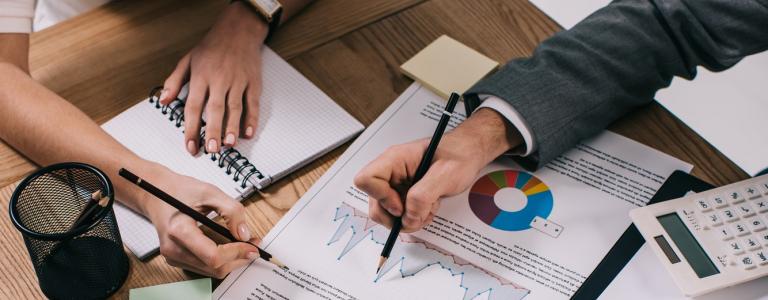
(713, 239)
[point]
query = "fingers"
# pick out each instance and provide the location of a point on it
(193, 112)
(234, 114)
(375, 179)
(205, 254)
(175, 81)
(186, 260)
(231, 211)
(214, 113)
(378, 214)
(422, 199)
(251, 116)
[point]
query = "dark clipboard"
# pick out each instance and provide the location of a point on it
(677, 185)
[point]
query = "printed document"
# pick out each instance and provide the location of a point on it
(513, 234)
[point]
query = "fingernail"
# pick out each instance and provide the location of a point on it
(230, 139)
(245, 234)
(249, 131)
(212, 145)
(163, 94)
(191, 147)
(253, 255)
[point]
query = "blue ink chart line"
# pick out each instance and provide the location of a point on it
(415, 256)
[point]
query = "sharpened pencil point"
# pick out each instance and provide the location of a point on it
(278, 264)
(382, 260)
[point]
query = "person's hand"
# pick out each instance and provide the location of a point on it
(461, 155)
(182, 242)
(224, 71)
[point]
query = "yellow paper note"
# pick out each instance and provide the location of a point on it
(447, 66)
(198, 289)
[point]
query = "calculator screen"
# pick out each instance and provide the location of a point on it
(686, 242)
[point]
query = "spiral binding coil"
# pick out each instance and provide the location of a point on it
(229, 159)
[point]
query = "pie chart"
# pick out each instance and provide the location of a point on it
(484, 203)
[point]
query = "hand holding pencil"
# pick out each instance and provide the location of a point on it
(390, 182)
(182, 242)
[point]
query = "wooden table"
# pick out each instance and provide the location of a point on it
(105, 60)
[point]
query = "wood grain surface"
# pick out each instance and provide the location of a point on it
(105, 60)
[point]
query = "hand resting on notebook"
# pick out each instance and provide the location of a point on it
(224, 71)
(459, 158)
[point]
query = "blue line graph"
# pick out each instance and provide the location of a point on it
(415, 256)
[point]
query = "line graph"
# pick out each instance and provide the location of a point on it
(414, 256)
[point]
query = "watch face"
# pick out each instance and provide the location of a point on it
(269, 6)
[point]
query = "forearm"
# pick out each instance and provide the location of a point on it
(14, 50)
(48, 129)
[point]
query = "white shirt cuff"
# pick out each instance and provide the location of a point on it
(514, 117)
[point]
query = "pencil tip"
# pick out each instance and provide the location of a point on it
(278, 264)
(382, 260)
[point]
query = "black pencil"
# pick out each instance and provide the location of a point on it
(197, 216)
(426, 161)
(89, 209)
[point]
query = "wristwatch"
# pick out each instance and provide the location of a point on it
(269, 10)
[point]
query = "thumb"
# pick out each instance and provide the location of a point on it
(173, 84)
(422, 197)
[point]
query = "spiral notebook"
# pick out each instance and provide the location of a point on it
(297, 124)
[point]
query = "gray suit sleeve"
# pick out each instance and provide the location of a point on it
(580, 80)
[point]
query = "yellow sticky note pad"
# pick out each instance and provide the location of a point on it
(447, 66)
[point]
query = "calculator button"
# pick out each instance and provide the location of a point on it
(745, 210)
(729, 215)
(703, 204)
(718, 201)
(760, 205)
(751, 192)
(762, 257)
(735, 248)
(751, 243)
(714, 219)
(739, 229)
(763, 187)
(725, 233)
(755, 224)
(735, 197)
(747, 262)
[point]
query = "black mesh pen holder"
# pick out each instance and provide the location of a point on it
(86, 261)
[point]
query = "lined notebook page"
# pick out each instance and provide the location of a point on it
(297, 123)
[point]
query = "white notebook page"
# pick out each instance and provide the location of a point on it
(297, 123)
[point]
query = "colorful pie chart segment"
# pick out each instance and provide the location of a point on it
(483, 203)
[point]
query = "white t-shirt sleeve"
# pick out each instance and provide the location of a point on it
(16, 16)
(514, 117)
